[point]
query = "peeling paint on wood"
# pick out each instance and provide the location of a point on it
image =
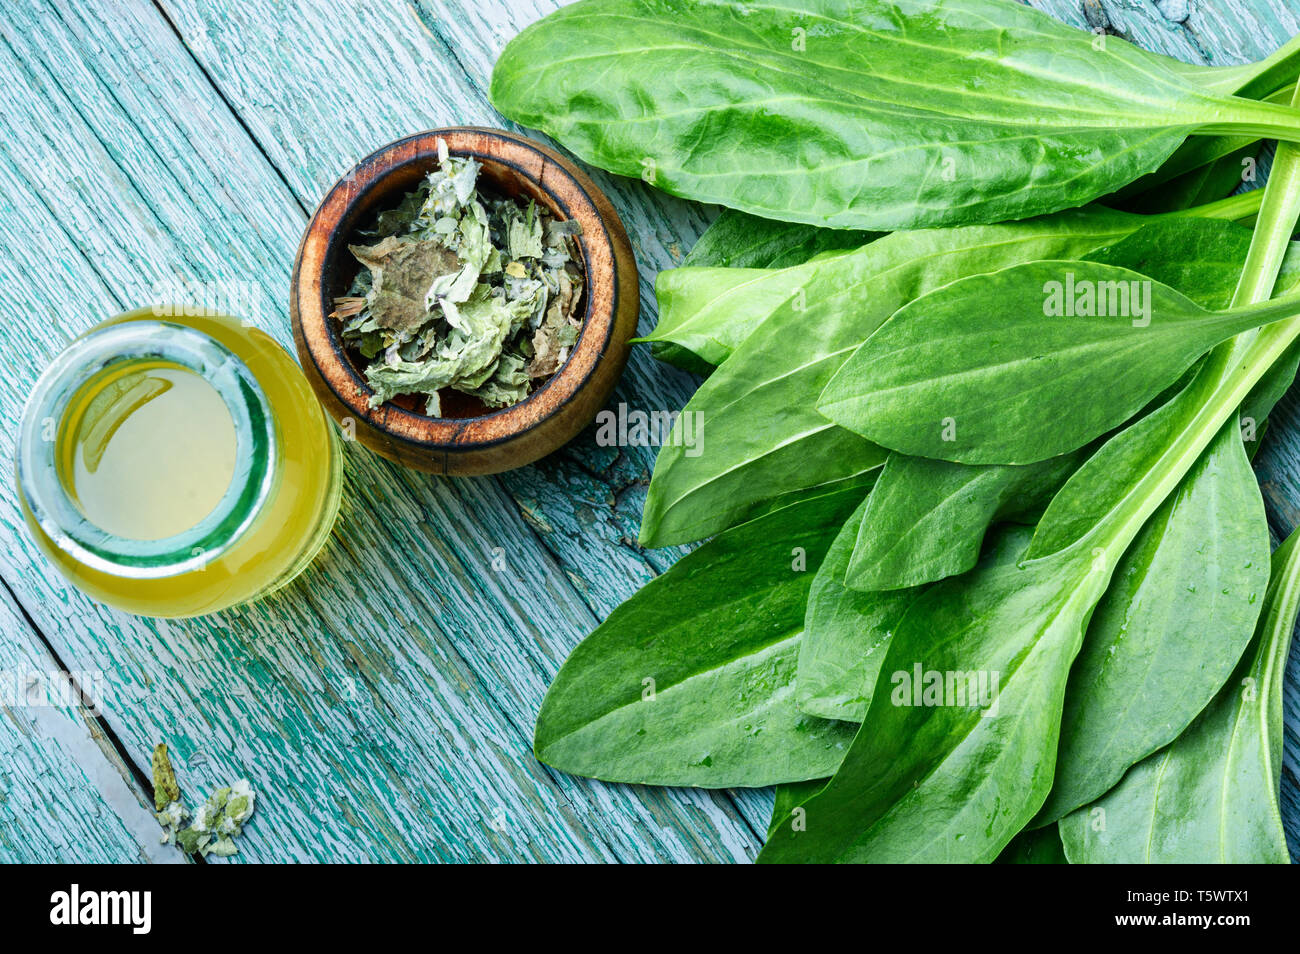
(64, 793)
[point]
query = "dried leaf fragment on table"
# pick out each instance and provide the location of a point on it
(165, 787)
(216, 824)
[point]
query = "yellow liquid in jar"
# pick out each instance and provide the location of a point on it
(148, 450)
(291, 527)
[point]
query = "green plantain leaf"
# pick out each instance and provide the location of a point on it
(846, 634)
(734, 241)
(691, 681)
(927, 518)
(817, 111)
(1152, 585)
(935, 778)
(947, 782)
(942, 379)
(1171, 627)
(683, 357)
(1200, 257)
(738, 240)
(1200, 797)
(1198, 565)
(1213, 793)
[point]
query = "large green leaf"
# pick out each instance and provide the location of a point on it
(691, 681)
(932, 516)
(944, 780)
(1198, 565)
(1169, 631)
(927, 517)
(941, 379)
(866, 114)
(705, 313)
(1211, 795)
(1200, 257)
(846, 633)
(763, 436)
(1109, 496)
(1195, 800)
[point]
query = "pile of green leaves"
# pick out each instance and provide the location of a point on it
(989, 573)
(462, 289)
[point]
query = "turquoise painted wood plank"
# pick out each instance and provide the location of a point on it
(64, 792)
(385, 709)
(65, 795)
(1216, 32)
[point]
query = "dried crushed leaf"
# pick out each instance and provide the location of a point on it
(171, 818)
(558, 332)
(165, 787)
(400, 270)
(465, 290)
(222, 848)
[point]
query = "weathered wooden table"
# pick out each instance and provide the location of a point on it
(383, 704)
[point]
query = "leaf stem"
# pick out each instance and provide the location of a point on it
(1243, 205)
(1233, 368)
(1276, 224)
(1279, 68)
(1253, 80)
(1281, 606)
(1283, 126)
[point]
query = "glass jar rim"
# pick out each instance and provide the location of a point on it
(52, 506)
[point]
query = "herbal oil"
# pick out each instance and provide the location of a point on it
(146, 411)
(177, 467)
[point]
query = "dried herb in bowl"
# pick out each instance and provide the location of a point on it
(462, 289)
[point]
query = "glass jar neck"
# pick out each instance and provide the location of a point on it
(114, 346)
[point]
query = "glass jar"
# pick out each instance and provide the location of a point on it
(177, 466)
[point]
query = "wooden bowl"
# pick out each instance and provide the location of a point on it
(470, 439)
